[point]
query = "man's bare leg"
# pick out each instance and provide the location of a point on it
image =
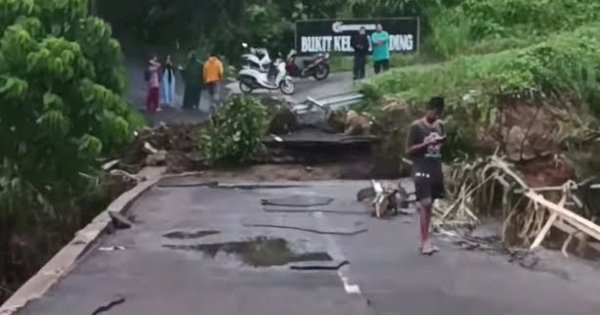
(425, 214)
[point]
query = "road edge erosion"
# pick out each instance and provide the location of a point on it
(61, 264)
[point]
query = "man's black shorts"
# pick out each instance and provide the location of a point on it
(427, 186)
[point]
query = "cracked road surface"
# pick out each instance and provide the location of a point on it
(189, 252)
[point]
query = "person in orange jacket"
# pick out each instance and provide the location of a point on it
(213, 75)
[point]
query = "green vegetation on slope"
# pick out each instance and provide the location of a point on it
(498, 50)
(567, 63)
(510, 23)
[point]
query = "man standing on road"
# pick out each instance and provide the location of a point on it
(213, 75)
(380, 40)
(360, 44)
(424, 147)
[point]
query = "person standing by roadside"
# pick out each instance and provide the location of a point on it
(360, 44)
(153, 80)
(192, 78)
(213, 75)
(168, 83)
(380, 40)
(424, 147)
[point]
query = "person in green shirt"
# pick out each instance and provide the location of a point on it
(380, 40)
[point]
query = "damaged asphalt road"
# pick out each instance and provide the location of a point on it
(188, 252)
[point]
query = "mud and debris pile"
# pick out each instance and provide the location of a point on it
(174, 146)
(328, 142)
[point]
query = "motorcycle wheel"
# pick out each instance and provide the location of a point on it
(287, 87)
(245, 88)
(321, 73)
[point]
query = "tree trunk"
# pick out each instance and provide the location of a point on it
(94, 7)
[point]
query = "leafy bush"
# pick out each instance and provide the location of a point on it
(236, 132)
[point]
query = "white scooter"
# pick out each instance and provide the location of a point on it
(256, 58)
(275, 78)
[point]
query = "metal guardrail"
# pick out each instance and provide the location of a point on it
(329, 103)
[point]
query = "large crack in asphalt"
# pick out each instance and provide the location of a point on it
(218, 185)
(322, 232)
(105, 308)
(298, 201)
(187, 235)
(257, 252)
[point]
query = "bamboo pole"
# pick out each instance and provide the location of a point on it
(577, 221)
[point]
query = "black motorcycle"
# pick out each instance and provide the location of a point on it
(316, 66)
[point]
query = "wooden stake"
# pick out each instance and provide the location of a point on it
(540, 237)
(566, 244)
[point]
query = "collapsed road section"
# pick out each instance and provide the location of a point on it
(205, 249)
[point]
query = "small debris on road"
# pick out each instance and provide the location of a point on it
(119, 220)
(111, 248)
(383, 200)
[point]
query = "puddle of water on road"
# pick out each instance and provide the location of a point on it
(257, 252)
(185, 235)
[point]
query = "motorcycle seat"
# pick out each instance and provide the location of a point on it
(310, 60)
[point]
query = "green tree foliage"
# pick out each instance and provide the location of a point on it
(61, 81)
(236, 133)
(61, 110)
(222, 25)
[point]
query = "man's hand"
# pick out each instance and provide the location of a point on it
(433, 140)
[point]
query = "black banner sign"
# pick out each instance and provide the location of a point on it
(319, 36)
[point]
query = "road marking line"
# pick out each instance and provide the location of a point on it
(337, 252)
(349, 288)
